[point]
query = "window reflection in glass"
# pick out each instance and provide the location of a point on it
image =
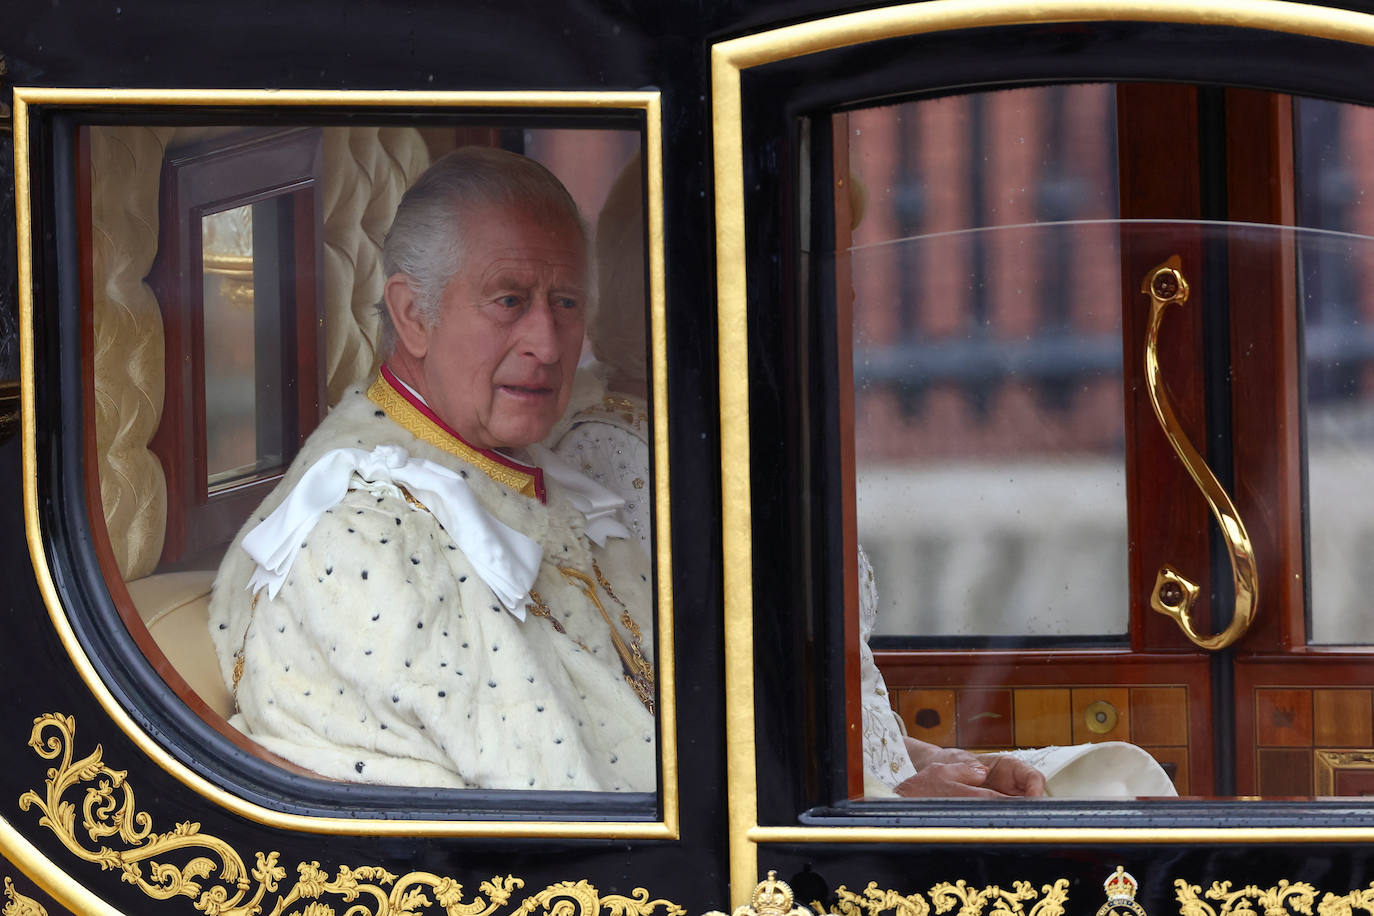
(230, 398)
(987, 363)
(1335, 181)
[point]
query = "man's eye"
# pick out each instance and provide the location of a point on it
(567, 302)
(510, 302)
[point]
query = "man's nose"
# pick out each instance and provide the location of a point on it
(539, 333)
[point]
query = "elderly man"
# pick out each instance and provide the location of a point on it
(430, 597)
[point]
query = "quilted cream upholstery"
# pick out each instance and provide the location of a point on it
(366, 172)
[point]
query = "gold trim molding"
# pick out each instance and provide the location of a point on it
(217, 878)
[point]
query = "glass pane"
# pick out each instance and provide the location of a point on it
(987, 364)
(230, 359)
(300, 214)
(1335, 177)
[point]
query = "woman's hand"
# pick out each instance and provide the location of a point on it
(948, 772)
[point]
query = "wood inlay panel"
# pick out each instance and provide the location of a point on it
(1285, 772)
(1088, 719)
(1341, 718)
(1283, 718)
(929, 715)
(1159, 716)
(985, 718)
(1042, 717)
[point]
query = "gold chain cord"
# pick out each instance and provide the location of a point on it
(639, 673)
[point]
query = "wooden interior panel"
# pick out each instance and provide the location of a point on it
(1159, 716)
(1285, 772)
(1342, 718)
(1091, 719)
(1274, 691)
(1169, 518)
(1266, 438)
(1042, 717)
(985, 718)
(929, 715)
(1283, 717)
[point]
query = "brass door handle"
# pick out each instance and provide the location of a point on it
(1174, 595)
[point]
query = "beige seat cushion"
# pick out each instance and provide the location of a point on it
(175, 607)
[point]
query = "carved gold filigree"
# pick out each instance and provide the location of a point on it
(1346, 904)
(184, 862)
(1284, 899)
(16, 904)
(972, 901)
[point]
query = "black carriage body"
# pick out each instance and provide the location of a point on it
(119, 797)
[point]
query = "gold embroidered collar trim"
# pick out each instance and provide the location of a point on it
(418, 420)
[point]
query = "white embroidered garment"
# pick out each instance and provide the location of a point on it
(385, 657)
(606, 437)
(598, 505)
(505, 559)
(885, 757)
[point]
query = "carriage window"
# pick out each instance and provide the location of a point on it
(987, 355)
(1110, 415)
(255, 254)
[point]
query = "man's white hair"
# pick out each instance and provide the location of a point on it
(428, 237)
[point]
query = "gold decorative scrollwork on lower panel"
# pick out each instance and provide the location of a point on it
(772, 897)
(184, 862)
(1284, 899)
(1021, 900)
(16, 904)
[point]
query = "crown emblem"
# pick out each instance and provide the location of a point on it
(1120, 886)
(771, 898)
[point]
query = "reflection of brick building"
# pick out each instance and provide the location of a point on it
(961, 308)
(987, 363)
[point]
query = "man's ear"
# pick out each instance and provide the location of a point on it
(412, 333)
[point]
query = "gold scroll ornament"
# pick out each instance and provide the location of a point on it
(1174, 594)
(101, 824)
(772, 897)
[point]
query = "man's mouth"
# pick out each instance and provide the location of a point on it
(528, 390)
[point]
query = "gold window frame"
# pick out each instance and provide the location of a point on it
(729, 59)
(18, 849)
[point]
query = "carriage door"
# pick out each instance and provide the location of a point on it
(1112, 413)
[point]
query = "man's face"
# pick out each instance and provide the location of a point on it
(500, 361)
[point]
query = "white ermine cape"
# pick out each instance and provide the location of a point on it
(384, 658)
